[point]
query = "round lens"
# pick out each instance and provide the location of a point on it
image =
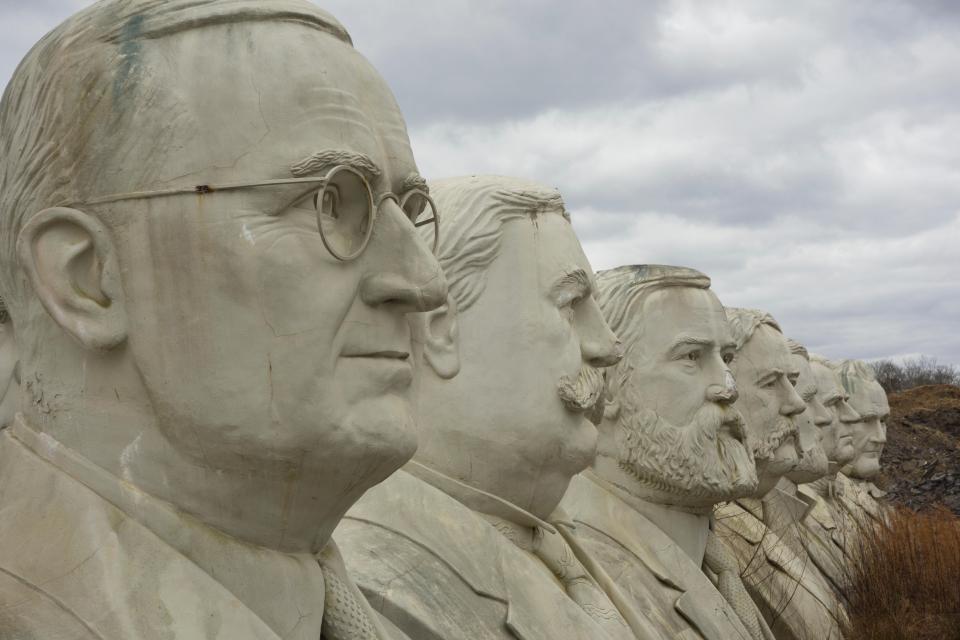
(345, 213)
(422, 211)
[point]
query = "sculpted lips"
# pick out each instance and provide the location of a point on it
(385, 354)
(386, 369)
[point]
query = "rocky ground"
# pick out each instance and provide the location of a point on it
(921, 461)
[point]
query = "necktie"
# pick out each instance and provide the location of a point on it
(719, 560)
(343, 617)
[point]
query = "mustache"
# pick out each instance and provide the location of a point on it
(766, 446)
(584, 394)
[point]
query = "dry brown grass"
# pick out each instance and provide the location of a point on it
(905, 584)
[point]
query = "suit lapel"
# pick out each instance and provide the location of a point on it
(452, 532)
(697, 600)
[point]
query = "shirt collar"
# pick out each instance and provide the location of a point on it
(477, 499)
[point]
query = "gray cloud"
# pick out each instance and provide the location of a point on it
(805, 155)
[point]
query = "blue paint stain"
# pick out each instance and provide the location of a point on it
(129, 54)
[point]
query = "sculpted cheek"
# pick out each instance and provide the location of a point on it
(295, 296)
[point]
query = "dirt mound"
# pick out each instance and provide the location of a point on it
(921, 462)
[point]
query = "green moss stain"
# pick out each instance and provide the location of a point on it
(130, 50)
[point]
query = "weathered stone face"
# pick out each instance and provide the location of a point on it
(675, 430)
(216, 324)
(813, 462)
(869, 399)
(769, 402)
(838, 436)
(514, 420)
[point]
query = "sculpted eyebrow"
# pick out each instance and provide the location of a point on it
(833, 397)
(770, 376)
(415, 181)
(684, 340)
(576, 280)
(808, 392)
(329, 158)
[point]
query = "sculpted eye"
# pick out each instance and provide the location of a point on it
(728, 358)
(693, 356)
(568, 300)
(331, 203)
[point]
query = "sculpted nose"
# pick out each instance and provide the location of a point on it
(725, 393)
(880, 433)
(821, 415)
(599, 346)
(792, 402)
(410, 294)
(403, 273)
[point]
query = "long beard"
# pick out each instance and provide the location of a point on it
(701, 463)
(585, 394)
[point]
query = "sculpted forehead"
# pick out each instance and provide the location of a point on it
(555, 247)
(674, 312)
(282, 92)
(869, 399)
(806, 383)
(877, 398)
(764, 352)
(827, 381)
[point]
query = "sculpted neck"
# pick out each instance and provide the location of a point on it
(100, 408)
(277, 586)
(687, 526)
(265, 505)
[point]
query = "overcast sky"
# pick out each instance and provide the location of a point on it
(805, 155)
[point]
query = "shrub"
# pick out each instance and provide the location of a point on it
(904, 583)
(914, 372)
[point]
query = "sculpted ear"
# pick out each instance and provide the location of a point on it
(438, 332)
(71, 263)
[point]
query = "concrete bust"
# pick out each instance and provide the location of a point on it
(671, 446)
(838, 435)
(532, 344)
(766, 376)
(800, 514)
(869, 400)
(857, 493)
(464, 537)
(813, 463)
(797, 603)
(219, 370)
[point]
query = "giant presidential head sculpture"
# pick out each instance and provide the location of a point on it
(837, 438)
(524, 330)
(669, 422)
(869, 400)
(207, 261)
(813, 463)
(766, 375)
